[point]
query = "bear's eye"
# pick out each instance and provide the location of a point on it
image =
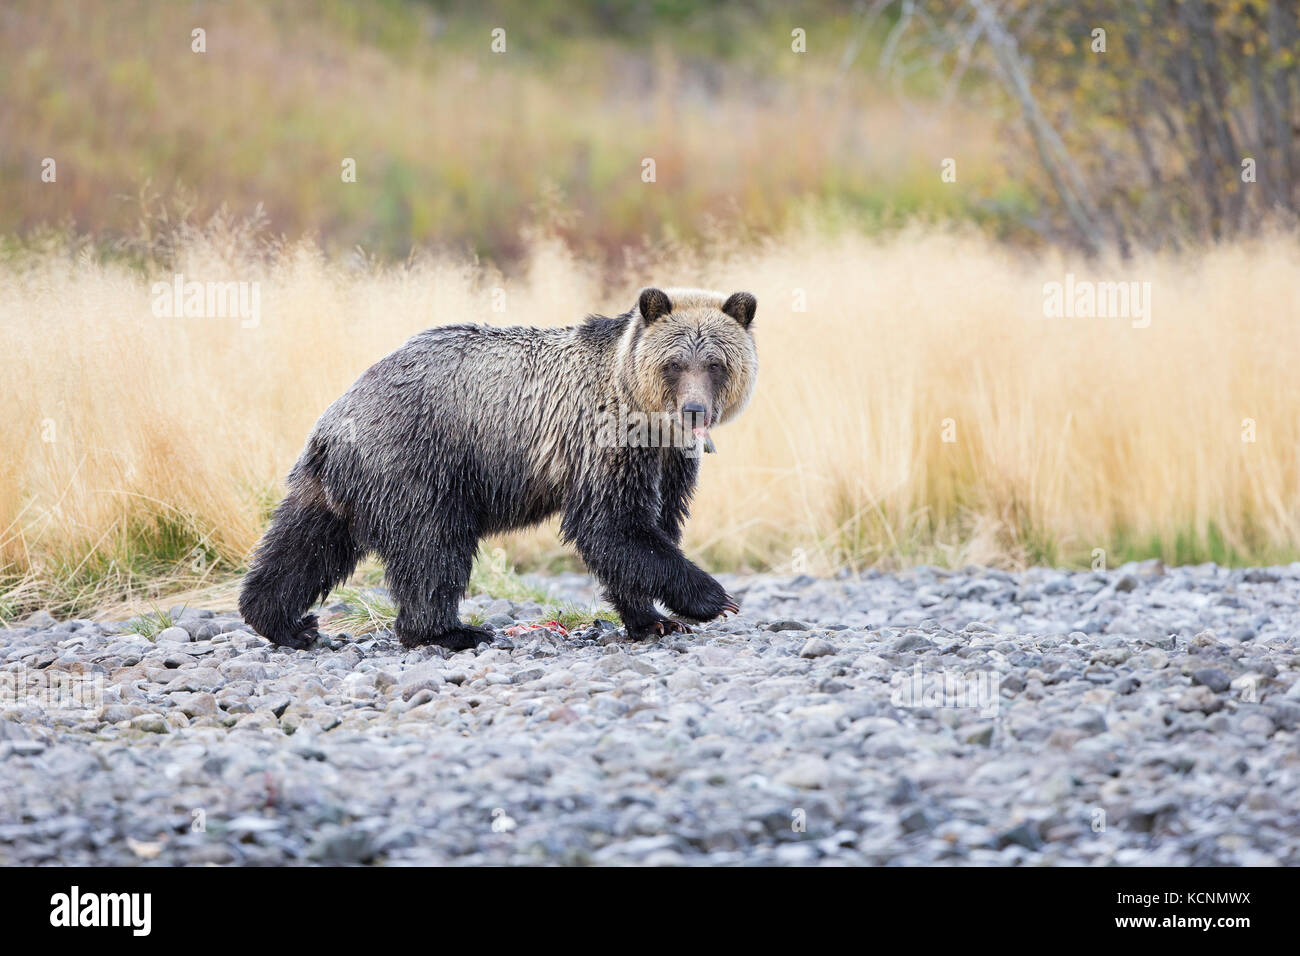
(673, 368)
(715, 367)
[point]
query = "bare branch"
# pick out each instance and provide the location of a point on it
(1061, 169)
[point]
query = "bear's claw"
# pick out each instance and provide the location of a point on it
(659, 627)
(304, 637)
(729, 606)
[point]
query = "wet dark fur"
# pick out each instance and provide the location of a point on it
(466, 431)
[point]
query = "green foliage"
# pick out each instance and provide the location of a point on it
(456, 146)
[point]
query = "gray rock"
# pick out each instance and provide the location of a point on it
(1024, 834)
(915, 820)
(913, 642)
(39, 620)
(981, 735)
(1213, 678)
(1199, 698)
(817, 647)
(339, 845)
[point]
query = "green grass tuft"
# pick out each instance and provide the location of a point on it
(368, 611)
(150, 625)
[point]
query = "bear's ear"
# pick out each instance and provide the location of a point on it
(653, 304)
(740, 307)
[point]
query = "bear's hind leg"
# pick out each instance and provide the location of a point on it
(428, 580)
(305, 554)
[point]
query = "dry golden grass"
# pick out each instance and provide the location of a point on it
(140, 449)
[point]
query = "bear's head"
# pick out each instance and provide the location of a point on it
(689, 354)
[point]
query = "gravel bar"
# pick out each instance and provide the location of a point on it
(1141, 716)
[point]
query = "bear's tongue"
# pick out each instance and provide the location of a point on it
(700, 433)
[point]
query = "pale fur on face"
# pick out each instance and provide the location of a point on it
(696, 334)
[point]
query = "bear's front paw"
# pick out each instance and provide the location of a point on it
(303, 635)
(656, 627)
(703, 600)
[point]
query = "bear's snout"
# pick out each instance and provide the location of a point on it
(695, 415)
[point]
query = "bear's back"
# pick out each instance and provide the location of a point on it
(505, 409)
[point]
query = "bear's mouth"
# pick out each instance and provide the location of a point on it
(695, 418)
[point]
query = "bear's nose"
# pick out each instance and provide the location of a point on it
(695, 415)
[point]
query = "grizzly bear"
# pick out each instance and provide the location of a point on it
(467, 431)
